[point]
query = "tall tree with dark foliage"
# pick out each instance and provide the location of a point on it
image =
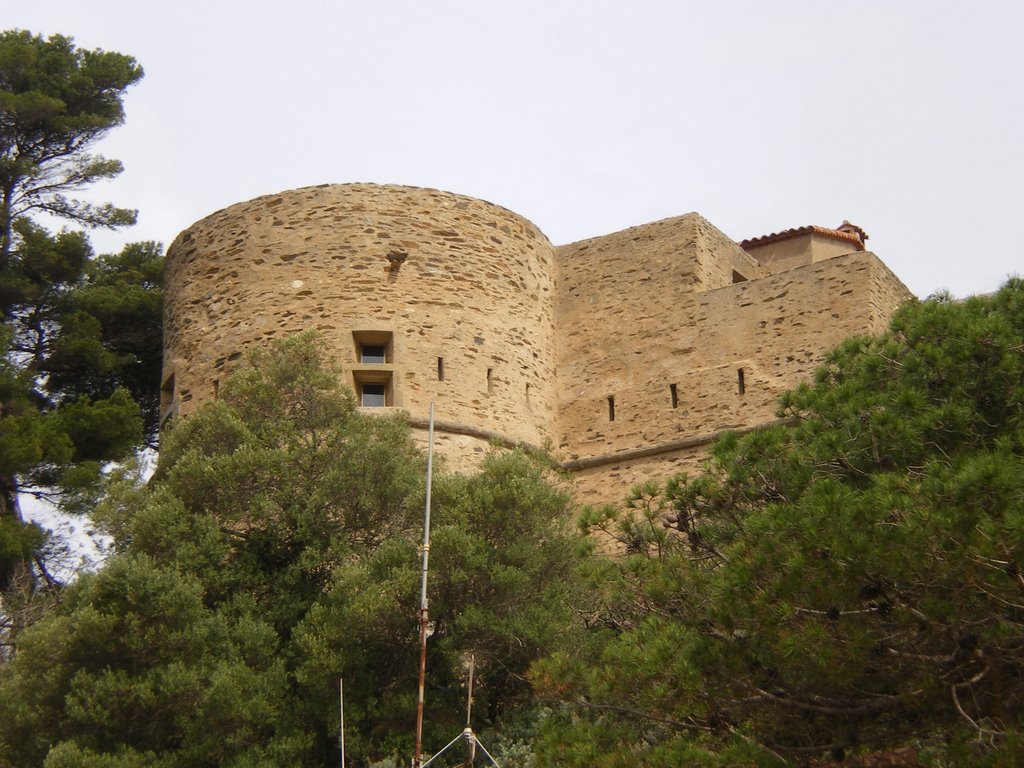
(80, 336)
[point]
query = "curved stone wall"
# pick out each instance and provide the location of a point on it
(458, 292)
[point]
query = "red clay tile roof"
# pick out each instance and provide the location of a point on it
(847, 232)
(846, 226)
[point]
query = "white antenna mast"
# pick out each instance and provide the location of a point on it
(424, 620)
(472, 742)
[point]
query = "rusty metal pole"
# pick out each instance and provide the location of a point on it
(417, 759)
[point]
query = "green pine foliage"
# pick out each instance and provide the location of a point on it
(847, 584)
(80, 337)
(274, 552)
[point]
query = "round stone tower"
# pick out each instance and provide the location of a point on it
(423, 296)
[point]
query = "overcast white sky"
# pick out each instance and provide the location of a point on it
(586, 116)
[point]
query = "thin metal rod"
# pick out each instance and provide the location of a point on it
(469, 698)
(341, 719)
(426, 513)
(471, 741)
(489, 755)
(447, 746)
(424, 620)
(451, 743)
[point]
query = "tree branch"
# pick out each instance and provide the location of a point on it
(643, 715)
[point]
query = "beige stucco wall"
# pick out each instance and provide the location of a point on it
(476, 289)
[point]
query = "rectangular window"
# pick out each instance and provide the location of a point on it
(674, 394)
(490, 381)
(372, 353)
(373, 395)
(440, 369)
(373, 347)
(611, 408)
(741, 385)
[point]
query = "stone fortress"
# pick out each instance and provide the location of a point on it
(621, 355)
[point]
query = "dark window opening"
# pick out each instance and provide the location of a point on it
(373, 347)
(675, 395)
(741, 385)
(611, 408)
(372, 353)
(373, 395)
(737, 277)
(440, 369)
(490, 381)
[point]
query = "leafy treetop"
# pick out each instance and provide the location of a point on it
(273, 552)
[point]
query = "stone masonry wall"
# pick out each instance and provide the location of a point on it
(623, 353)
(775, 330)
(473, 302)
(628, 333)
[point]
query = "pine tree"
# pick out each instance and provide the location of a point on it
(80, 336)
(847, 584)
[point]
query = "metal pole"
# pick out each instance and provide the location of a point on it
(470, 736)
(469, 698)
(341, 719)
(424, 621)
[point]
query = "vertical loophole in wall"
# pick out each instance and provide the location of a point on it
(674, 393)
(440, 369)
(490, 381)
(216, 389)
(741, 385)
(167, 392)
(611, 407)
(527, 394)
(167, 395)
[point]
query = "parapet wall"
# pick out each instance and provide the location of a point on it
(459, 291)
(727, 353)
(636, 362)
